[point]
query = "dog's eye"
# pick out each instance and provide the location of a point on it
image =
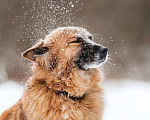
(90, 37)
(78, 40)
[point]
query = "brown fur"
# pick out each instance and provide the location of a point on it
(53, 71)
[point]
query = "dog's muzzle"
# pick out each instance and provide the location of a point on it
(91, 56)
(102, 51)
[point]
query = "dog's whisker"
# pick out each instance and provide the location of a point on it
(96, 34)
(109, 62)
(110, 58)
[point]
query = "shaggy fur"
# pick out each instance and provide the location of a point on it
(54, 70)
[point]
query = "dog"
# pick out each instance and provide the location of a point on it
(65, 81)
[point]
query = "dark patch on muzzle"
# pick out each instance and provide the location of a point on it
(89, 54)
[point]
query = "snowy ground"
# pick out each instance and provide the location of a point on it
(125, 100)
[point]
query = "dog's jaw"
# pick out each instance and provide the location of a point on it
(96, 64)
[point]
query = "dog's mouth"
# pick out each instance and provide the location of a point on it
(91, 56)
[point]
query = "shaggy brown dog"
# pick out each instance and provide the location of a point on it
(65, 81)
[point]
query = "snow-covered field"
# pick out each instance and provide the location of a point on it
(125, 99)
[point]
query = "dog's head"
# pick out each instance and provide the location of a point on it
(68, 46)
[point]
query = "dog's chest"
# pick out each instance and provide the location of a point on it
(58, 108)
(68, 110)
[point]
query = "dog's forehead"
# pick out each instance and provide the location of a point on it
(68, 32)
(80, 32)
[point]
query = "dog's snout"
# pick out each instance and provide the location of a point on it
(100, 49)
(103, 50)
(96, 48)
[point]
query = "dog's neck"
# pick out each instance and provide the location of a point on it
(74, 83)
(75, 98)
(59, 92)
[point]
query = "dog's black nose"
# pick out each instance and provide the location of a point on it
(103, 50)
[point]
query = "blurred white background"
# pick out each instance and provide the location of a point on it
(120, 25)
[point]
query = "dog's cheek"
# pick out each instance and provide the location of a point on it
(72, 52)
(47, 61)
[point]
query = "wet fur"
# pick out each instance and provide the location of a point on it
(53, 71)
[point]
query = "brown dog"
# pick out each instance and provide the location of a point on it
(64, 84)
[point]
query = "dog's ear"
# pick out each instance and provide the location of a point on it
(36, 51)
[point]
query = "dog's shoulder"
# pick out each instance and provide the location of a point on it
(13, 113)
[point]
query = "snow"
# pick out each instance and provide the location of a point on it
(10, 93)
(127, 100)
(124, 99)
